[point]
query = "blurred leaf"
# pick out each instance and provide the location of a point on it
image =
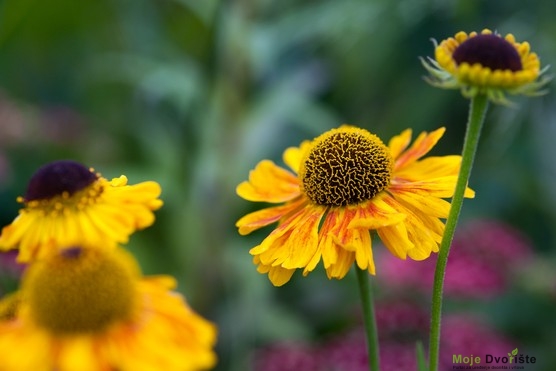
(421, 360)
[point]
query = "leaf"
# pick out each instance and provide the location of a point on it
(421, 362)
(514, 352)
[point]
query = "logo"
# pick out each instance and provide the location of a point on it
(513, 361)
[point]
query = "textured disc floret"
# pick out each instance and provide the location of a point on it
(81, 290)
(490, 51)
(345, 166)
(57, 178)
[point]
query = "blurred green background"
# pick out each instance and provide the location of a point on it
(193, 93)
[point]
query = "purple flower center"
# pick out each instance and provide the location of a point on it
(57, 177)
(490, 51)
(73, 252)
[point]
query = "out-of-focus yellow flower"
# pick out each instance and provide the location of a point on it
(486, 63)
(85, 308)
(67, 203)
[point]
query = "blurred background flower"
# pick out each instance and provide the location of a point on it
(193, 94)
(487, 255)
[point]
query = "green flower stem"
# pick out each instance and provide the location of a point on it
(369, 318)
(477, 111)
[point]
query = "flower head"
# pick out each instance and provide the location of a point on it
(345, 183)
(67, 203)
(486, 63)
(85, 308)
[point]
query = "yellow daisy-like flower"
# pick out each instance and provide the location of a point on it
(67, 203)
(347, 183)
(486, 63)
(88, 309)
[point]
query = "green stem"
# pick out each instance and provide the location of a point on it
(369, 318)
(477, 111)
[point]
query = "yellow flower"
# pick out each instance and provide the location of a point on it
(347, 183)
(88, 309)
(67, 203)
(486, 63)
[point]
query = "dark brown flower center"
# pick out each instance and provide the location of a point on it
(490, 51)
(57, 177)
(346, 167)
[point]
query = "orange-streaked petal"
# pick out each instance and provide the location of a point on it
(264, 217)
(438, 187)
(430, 167)
(342, 265)
(294, 242)
(269, 183)
(422, 145)
(341, 245)
(396, 240)
(376, 214)
(342, 235)
(303, 242)
(423, 230)
(364, 252)
(433, 206)
(327, 247)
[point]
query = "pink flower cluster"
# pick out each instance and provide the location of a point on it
(484, 254)
(462, 334)
(482, 258)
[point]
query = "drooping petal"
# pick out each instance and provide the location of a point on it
(327, 246)
(294, 242)
(277, 275)
(269, 183)
(264, 217)
(364, 254)
(430, 168)
(342, 265)
(344, 244)
(376, 214)
(424, 239)
(442, 187)
(395, 239)
(434, 206)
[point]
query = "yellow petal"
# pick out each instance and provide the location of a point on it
(294, 155)
(342, 265)
(422, 145)
(269, 183)
(442, 187)
(294, 242)
(399, 143)
(376, 214)
(327, 247)
(280, 276)
(277, 275)
(364, 252)
(264, 217)
(303, 241)
(430, 167)
(429, 205)
(395, 239)
(77, 354)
